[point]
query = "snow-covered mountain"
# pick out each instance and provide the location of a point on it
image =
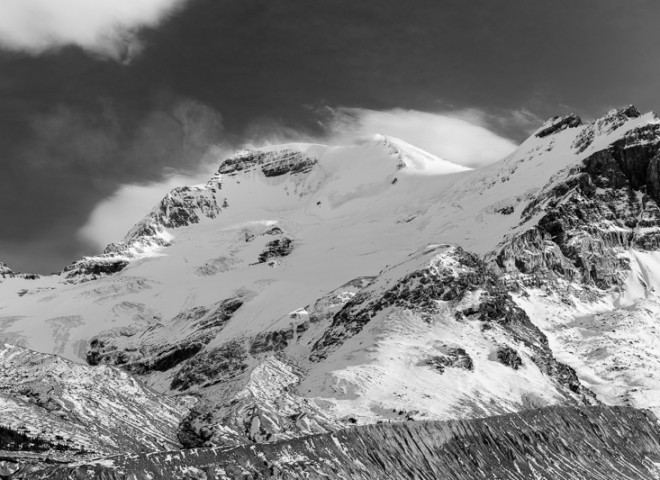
(307, 288)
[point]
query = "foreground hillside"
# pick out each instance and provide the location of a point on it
(551, 443)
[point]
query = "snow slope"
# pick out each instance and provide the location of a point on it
(346, 193)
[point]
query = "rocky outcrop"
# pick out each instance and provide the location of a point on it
(451, 357)
(181, 207)
(272, 164)
(277, 340)
(327, 306)
(605, 125)
(79, 409)
(550, 443)
(451, 276)
(5, 271)
(508, 356)
(162, 346)
(280, 247)
(217, 365)
(419, 291)
(607, 203)
(94, 267)
(557, 124)
(186, 206)
(253, 400)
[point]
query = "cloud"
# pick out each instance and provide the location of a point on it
(461, 137)
(106, 172)
(105, 27)
(516, 121)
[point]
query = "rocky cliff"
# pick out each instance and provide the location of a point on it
(606, 203)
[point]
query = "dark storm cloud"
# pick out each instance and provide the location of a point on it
(68, 157)
(273, 57)
(73, 127)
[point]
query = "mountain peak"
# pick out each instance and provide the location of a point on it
(615, 118)
(417, 160)
(607, 123)
(570, 134)
(629, 111)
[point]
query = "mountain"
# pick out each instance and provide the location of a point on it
(307, 289)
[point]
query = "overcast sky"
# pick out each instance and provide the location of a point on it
(105, 104)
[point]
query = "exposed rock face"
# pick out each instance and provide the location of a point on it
(78, 409)
(551, 443)
(451, 276)
(259, 404)
(217, 365)
(182, 206)
(278, 340)
(607, 203)
(161, 347)
(453, 357)
(276, 248)
(273, 164)
(5, 270)
(607, 124)
(557, 124)
(508, 356)
(93, 268)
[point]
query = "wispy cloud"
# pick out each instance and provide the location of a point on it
(461, 137)
(105, 27)
(520, 120)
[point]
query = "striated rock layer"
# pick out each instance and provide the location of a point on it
(550, 443)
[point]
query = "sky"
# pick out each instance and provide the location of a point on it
(106, 105)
